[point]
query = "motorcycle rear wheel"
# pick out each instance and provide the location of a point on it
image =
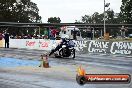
(73, 53)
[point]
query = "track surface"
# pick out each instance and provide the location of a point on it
(62, 72)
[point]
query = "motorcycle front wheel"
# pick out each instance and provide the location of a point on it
(61, 53)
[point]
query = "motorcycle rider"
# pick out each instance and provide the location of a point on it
(65, 41)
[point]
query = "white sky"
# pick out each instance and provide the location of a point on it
(71, 10)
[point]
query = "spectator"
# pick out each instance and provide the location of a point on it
(29, 36)
(6, 37)
(54, 31)
(1, 36)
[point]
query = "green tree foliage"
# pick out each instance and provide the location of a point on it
(99, 18)
(95, 18)
(23, 11)
(86, 19)
(54, 20)
(126, 11)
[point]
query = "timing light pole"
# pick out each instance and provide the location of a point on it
(104, 18)
(105, 5)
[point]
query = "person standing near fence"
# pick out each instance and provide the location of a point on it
(1, 36)
(6, 37)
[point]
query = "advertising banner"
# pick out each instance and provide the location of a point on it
(83, 46)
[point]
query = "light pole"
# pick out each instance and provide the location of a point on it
(104, 18)
(105, 5)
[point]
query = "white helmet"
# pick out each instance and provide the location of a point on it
(66, 37)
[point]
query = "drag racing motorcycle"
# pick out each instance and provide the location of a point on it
(65, 51)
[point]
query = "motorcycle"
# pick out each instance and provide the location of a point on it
(65, 51)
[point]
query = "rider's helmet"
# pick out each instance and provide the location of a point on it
(66, 37)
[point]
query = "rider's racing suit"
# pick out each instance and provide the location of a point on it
(64, 41)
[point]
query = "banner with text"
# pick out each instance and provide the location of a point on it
(80, 46)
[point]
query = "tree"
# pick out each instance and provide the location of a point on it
(126, 11)
(95, 18)
(86, 19)
(54, 20)
(23, 11)
(98, 18)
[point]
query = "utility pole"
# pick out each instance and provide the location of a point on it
(105, 5)
(104, 18)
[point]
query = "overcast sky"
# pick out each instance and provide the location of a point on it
(71, 10)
